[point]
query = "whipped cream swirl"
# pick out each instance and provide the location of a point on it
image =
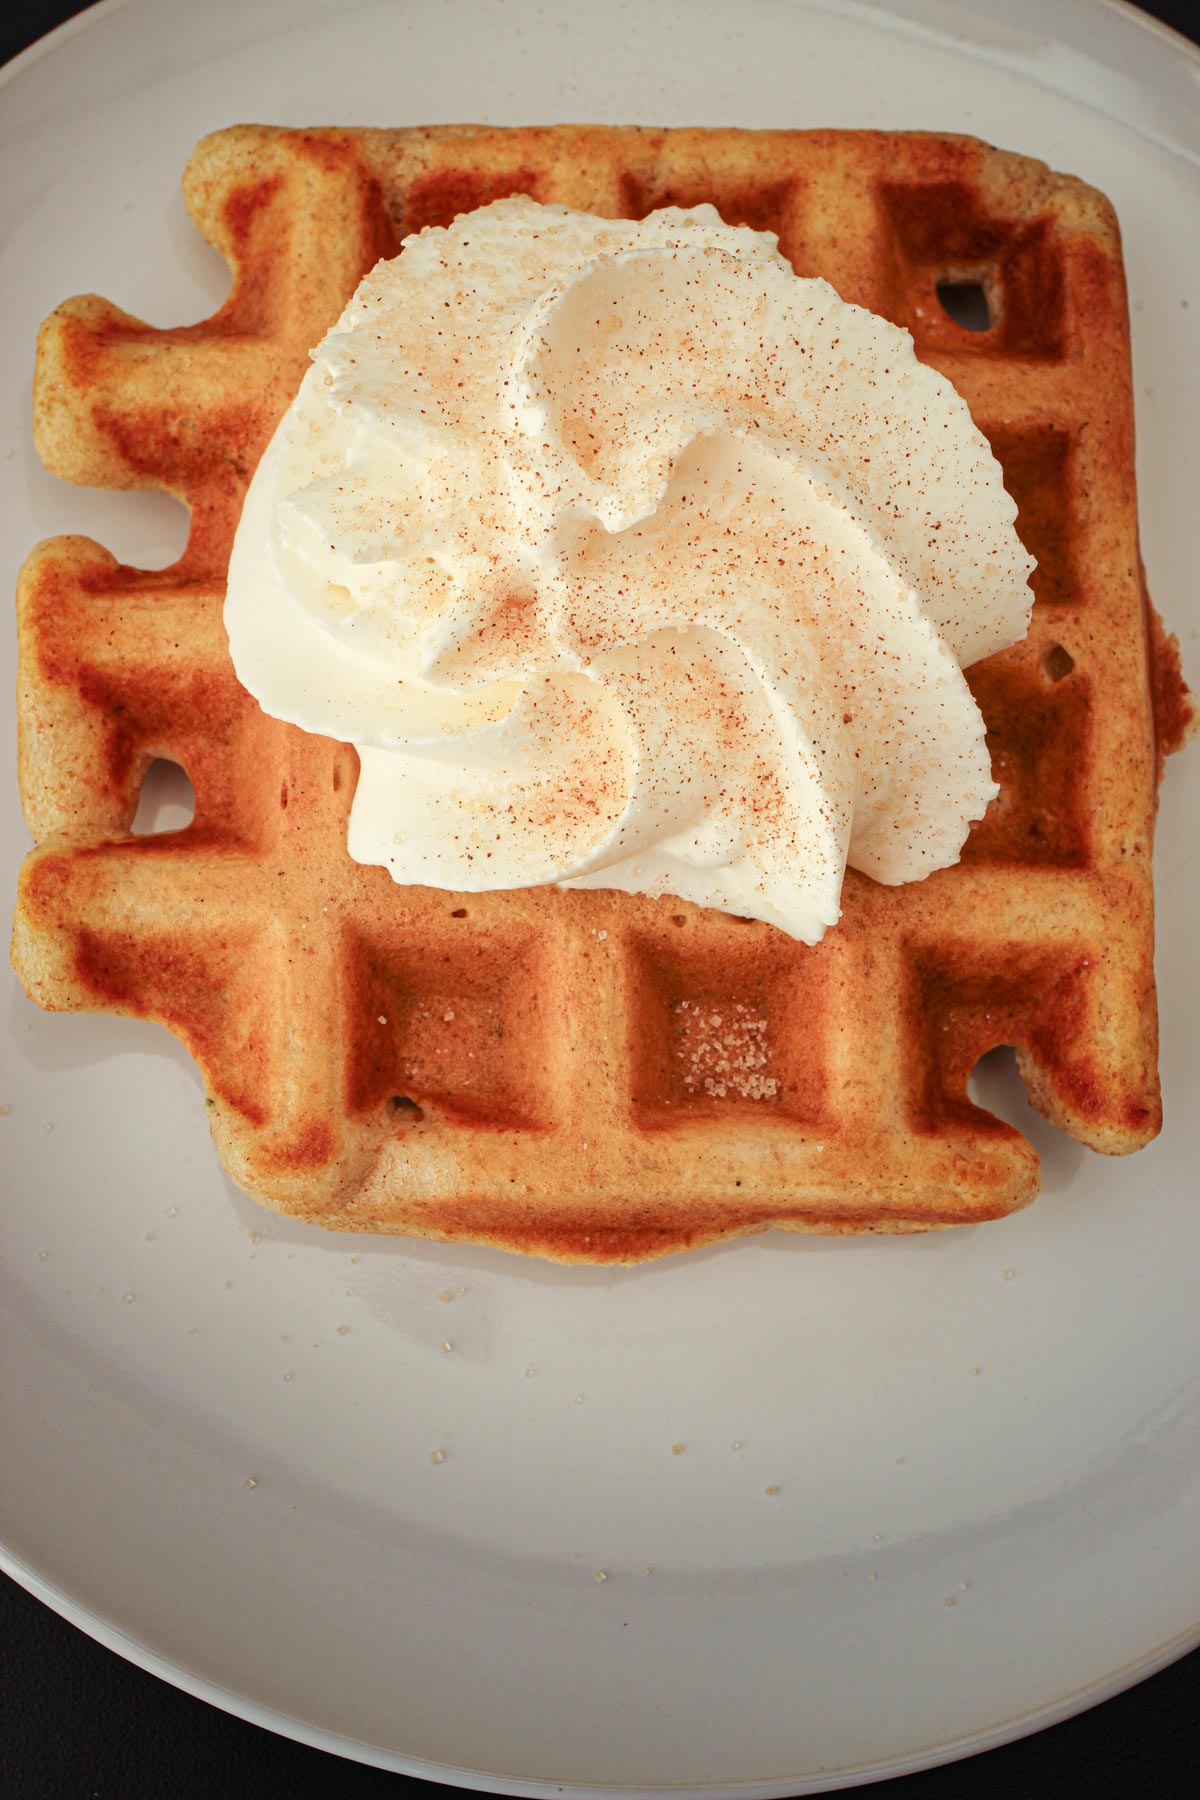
(628, 559)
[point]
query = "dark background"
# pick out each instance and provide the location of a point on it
(78, 1723)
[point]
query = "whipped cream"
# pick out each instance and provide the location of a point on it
(628, 559)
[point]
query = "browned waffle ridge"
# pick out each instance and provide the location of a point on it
(585, 1075)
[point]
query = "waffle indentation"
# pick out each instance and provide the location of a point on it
(762, 205)
(964, 1002)
(208, 989)
(942, 233)
(439, 197)
(1038, 733)
(458, 1031)
(720, 1028)
(1037, 469)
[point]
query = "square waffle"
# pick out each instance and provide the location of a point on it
(591, 1076)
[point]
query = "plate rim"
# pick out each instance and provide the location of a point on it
(143, 1655)
(317, 1737)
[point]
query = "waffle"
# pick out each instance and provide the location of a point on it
(589, 1076)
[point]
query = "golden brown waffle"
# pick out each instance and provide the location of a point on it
(590, 1076)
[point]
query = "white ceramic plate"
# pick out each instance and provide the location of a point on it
(218, 1427)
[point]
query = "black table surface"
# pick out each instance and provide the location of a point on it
(77, 1720)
